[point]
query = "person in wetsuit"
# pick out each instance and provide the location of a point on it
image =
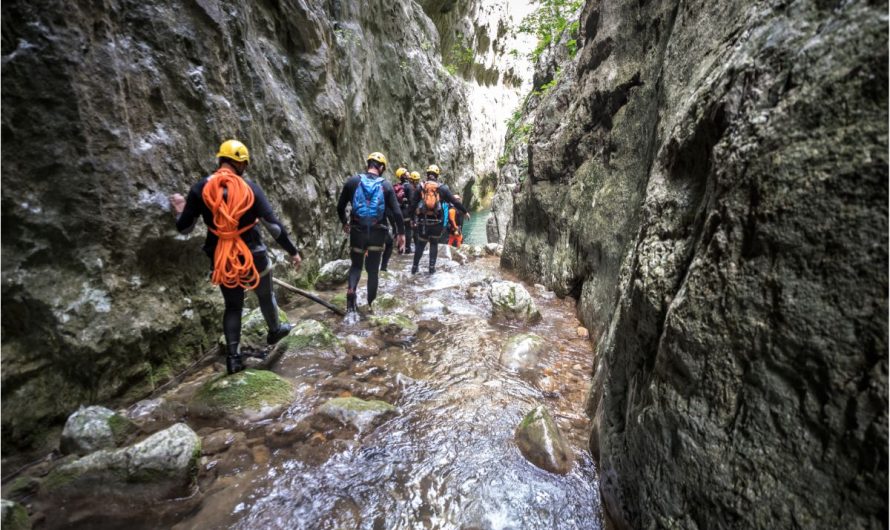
(429, 222)
(233, 159)
(372, 199)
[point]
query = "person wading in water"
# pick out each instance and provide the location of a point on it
(371, 198)
(429, 216)
(232, 207)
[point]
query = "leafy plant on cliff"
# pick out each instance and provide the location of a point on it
(548, 23)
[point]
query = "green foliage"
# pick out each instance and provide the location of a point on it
(451, 69)
(549, 21)
(462, 55)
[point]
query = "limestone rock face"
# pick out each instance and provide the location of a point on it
(108, 109)
(709, 180)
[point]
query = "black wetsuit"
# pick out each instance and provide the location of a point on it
(372, 240)
(234, 296)
(406, 214)
(429, 227)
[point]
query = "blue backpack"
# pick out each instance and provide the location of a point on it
(367, 202)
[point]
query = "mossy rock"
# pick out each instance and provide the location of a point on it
(249, 395)
(541, 443)
(309, 334)
(333, 273)
(361, 414)
(385, 301)
(512, 301)
(339, 300)
(394, 324)
(163, 466)
(92, 428)
(13, 516)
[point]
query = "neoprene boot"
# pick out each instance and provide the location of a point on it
(432, 270)
(414, 269)
(278, 334)
(234, 362)
(350, 302)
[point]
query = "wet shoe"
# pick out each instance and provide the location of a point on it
(414, 270)
(350, 302)
(234, 364)
(384, 269)
(278, 334)
(432, 270)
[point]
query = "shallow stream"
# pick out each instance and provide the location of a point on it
(447, 460)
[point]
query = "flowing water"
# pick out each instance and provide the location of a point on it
(447, 460)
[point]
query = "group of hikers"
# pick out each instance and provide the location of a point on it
(232, 207)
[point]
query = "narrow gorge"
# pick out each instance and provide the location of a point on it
(675, 272)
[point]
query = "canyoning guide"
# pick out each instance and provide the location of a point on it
(430, 216)
(232, 208)
(372, 199)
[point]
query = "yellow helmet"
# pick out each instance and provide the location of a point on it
(415, 176)
(401, 171)
(235, 150)
(434, 169)
(378, 157)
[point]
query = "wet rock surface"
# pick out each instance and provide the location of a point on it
(710, 182)
(333, 274)
(541, 442)
(522, 351)
(13, 516)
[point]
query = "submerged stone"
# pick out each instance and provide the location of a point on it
(541, 442)
(250, 395)
(359, 413)
(430, 307)
(163, 466)
(92, 428)
(386, 301)
(511, 300)
(522, 351)
(333, 273)
(394, 324)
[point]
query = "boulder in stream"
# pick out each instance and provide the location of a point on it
(511, 300)
(493, 249)
(163, 466)
(541, 442)
(386, 301)
(362, 414)
(309, 333)
(247, 396)
(13, 516)
(333, 273)
(522, 351)
(92, 428)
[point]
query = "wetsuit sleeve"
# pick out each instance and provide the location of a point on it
(446, 195)
(393, 210)
(266, 216)
(190, 214)
(346, 197)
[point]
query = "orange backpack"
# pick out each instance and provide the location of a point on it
(430, 195)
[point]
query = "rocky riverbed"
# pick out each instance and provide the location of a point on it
(427, 411)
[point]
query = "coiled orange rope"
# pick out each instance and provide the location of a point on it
(229, 197)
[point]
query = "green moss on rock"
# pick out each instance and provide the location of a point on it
(394, 324)
(246, 390)
(13, 516)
